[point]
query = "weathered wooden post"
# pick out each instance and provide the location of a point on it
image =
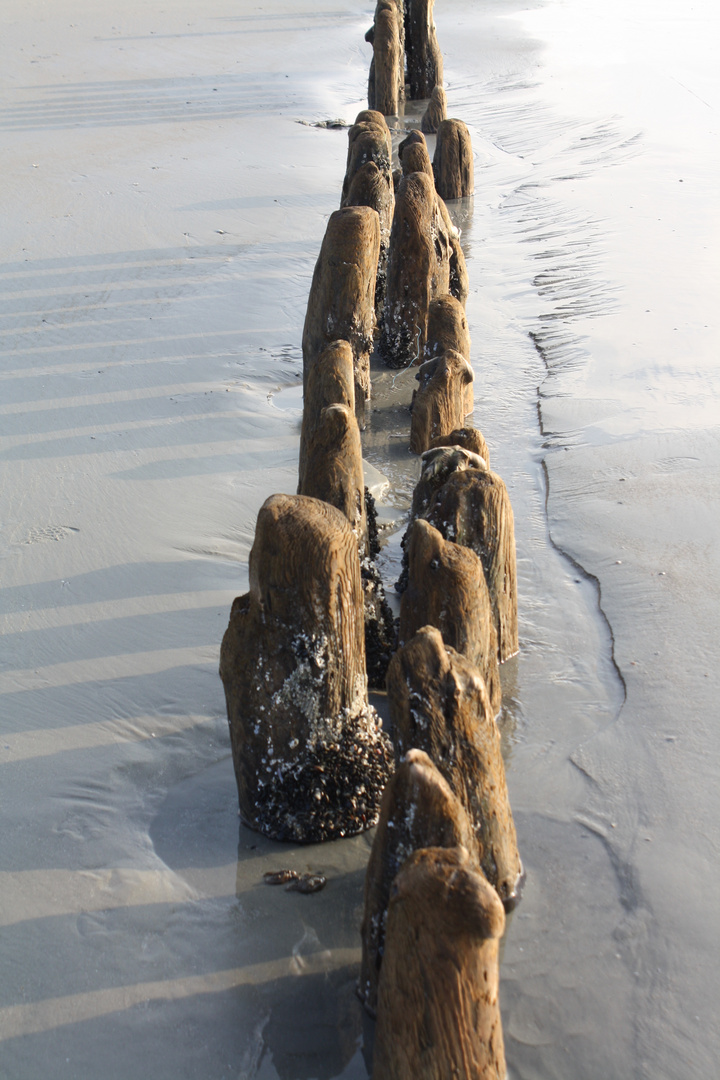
(436, 111)
(439, 703)
(424, 58)
(368, 140)
(447, 589)
(418, 810)
(468, 438)
(418, 269)
(473, 508)
(330, 381)
(448, 331)
(438, 1010)
(310, 756)
(386, 82)
(341, 305)
(333, 467)
(414, 156)
(440, 404)
(453, 161)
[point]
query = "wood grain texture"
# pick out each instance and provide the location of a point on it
(439, 703)
(424, 58)
(453, 161)
(372, 186)
(341, 305)
(330, 381)
(438, 1011)
(368, 140)
(310, 759)
(414, 156)
(334, 470)
(436, 111)
(389, 57)
(418, 810)
(473, 508)
(418, 269)
(446, 589)
(448, 331)
(439, 405)
(467, 438)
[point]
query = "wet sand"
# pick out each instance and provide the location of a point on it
(155, 172)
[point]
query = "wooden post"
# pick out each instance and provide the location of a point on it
(418, 269)
(448, 332)
(453, 161)
(330, 381)
(310, 757)
(341, 305)
(447, 589)
(438, 1010)
(418, 810)
(424, 58)
(473, 508)
(333, 468)
(414, 156)
(468, 438)
(439, 405)
(439, 703)
(436, 111)
(389, 59)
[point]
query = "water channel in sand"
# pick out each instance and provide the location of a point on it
(162, 217)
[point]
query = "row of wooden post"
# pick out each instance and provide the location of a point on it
(311, 758)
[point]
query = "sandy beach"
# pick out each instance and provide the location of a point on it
(161, 165)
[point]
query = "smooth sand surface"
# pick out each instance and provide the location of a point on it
(154, 171)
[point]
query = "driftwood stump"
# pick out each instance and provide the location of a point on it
(341, 305)
(440, 404)
(414, 156)
(368, 141)
(371, 186)
(371, 116)
(424, 58)
(418, 810)
(309, 754)
(418, 269)
(439, 703)
(333, 467)
(436, 111)
(446, 588)
(330, 381)
(448, 331)
(447, 328)
(473, 508)
(459, 279)
(467, 438)
(439, 463)
(453, 161)
(388, 67)
(438, 1011)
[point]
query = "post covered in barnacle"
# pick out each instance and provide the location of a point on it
(309, 753)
